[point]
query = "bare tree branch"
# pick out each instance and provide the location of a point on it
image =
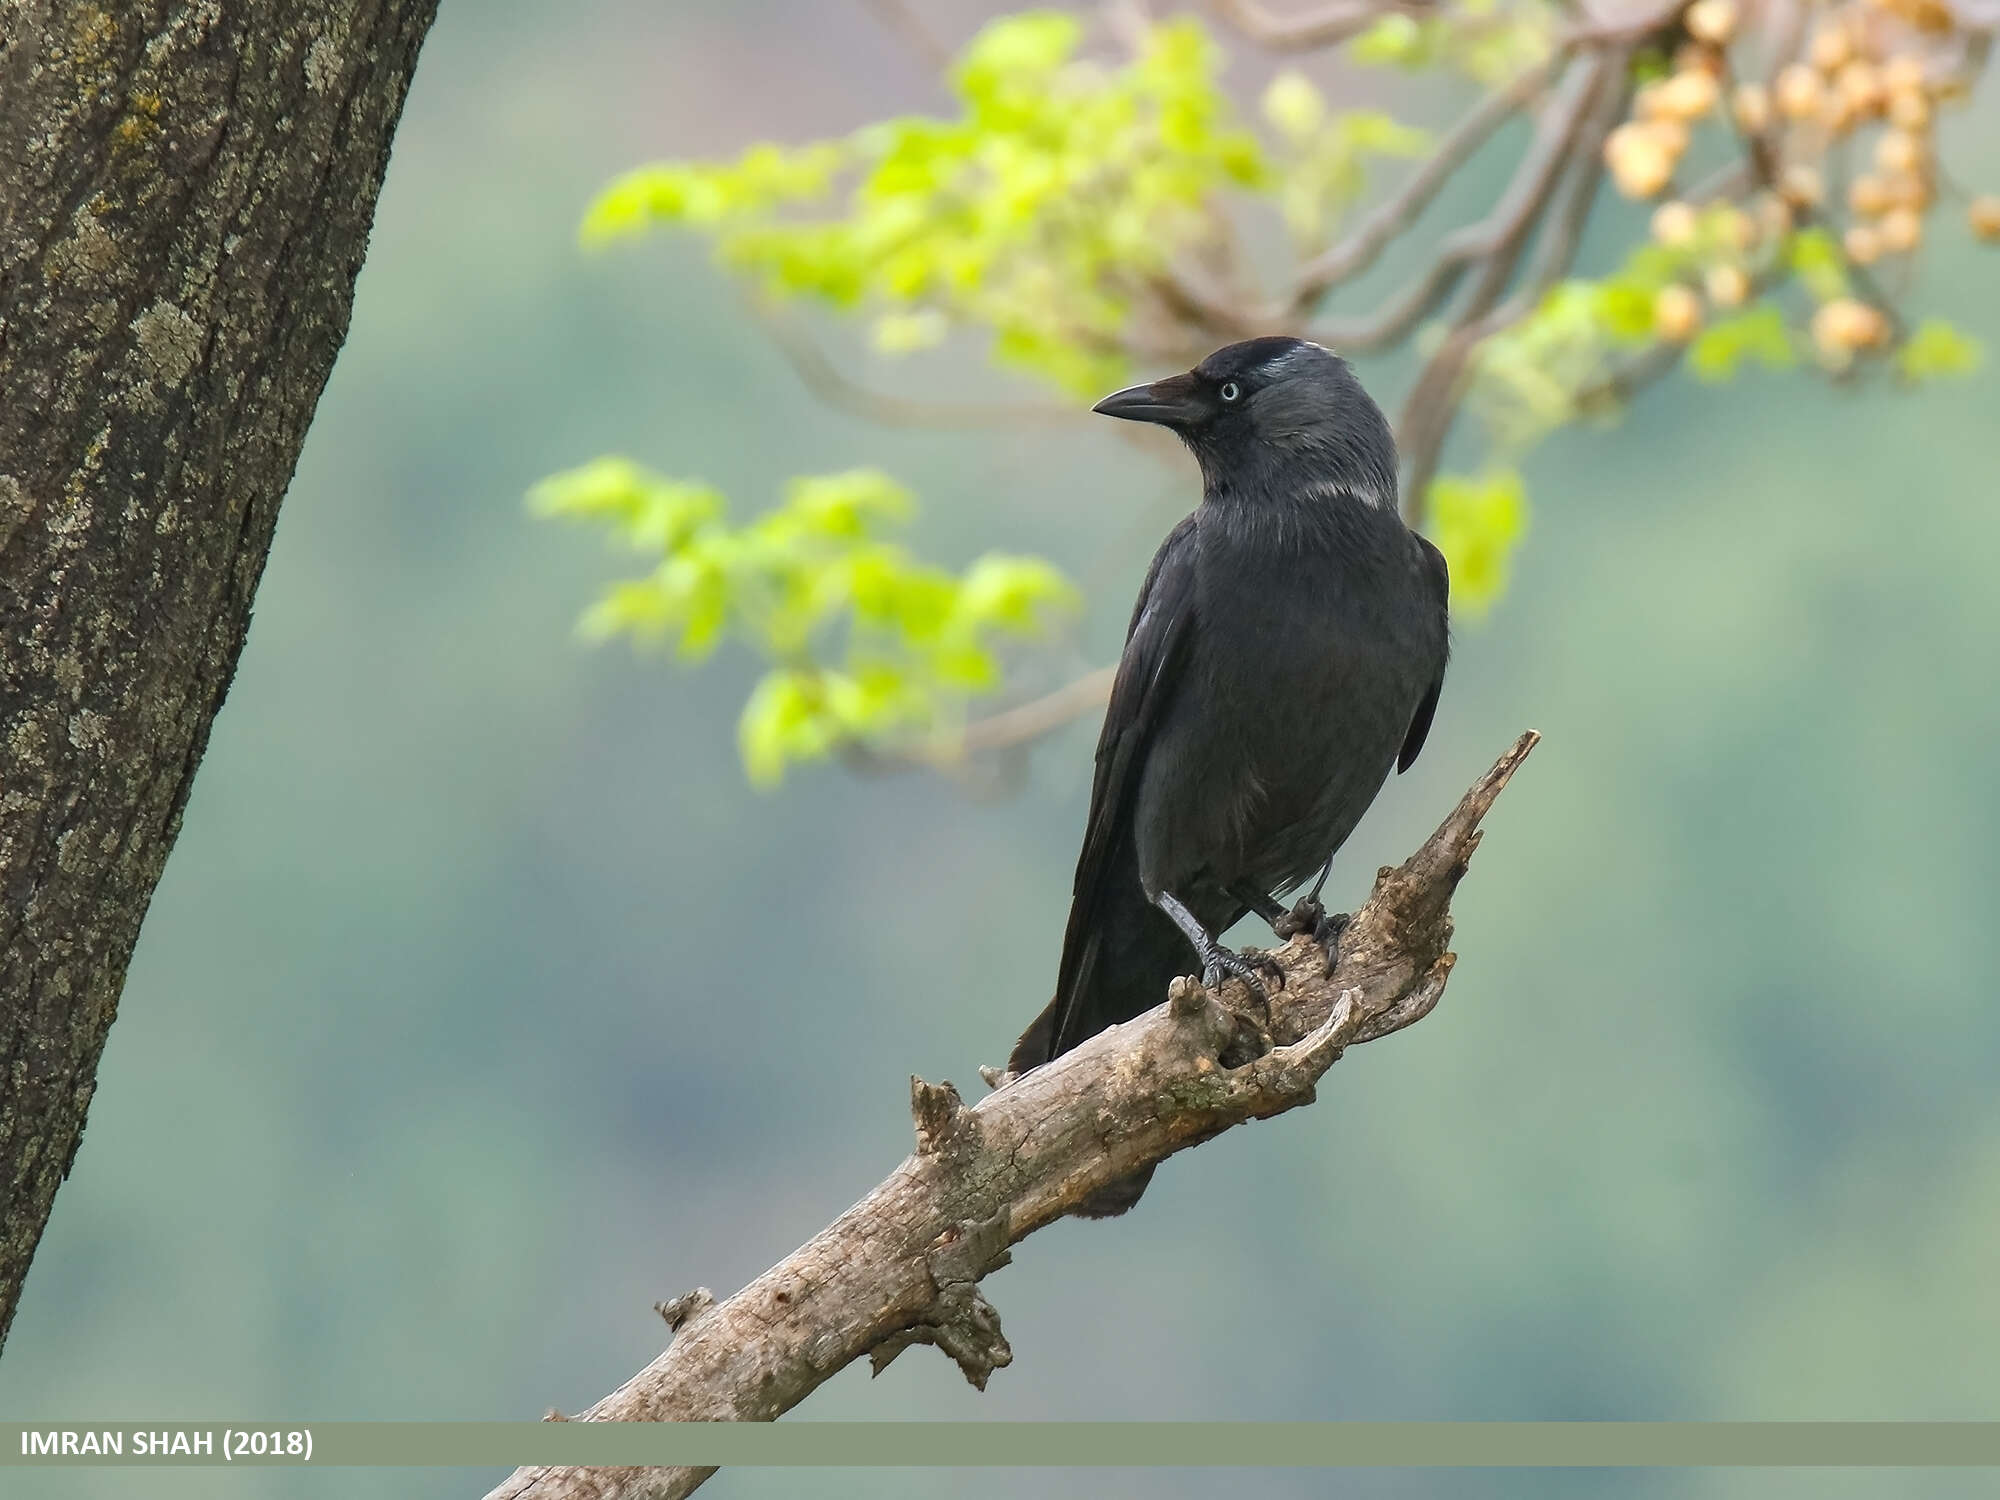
(1191, 300)
(1309, 30)
(1010, 729)
(1433, 403)
(904, 1265)
(1606, 395)
(1433, 400)
(901, 17)
(837, 389)
(1492, 238)
(1030, 721)
(1394, 216)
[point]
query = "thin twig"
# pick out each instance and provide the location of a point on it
(1562, 235)
(828, 382)
(1040, 716)
(1316, 28)
(1491, 236)
(1213, 312)
(1618, 387)
(900, 17)
(1495, 244)
(1395, 215)
(1009, 729)
(1434, 401)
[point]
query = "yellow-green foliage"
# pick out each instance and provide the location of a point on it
(1039, 213)
(1323, 167)
(1044, 213)
(1477, 523)
(1485, 39)
(806, 583)
(1759, 333)
(1935, 349)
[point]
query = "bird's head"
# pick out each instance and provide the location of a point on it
(1276, 414)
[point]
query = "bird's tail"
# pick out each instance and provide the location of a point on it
(1120, 968)
(1037, 1046)
(1038, 1043)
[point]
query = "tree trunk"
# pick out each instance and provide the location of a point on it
(186, 189)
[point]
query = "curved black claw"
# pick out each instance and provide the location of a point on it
(1265, 963)
(1327, 933)
(1219, 960)
(1326, 927)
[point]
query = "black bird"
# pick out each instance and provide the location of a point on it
(1287, 649)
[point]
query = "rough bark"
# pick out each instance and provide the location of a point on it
(186, 191)
(904, 1265)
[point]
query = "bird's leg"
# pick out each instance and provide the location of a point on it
(1216, 960)
(1307, 915)
(1272, 913)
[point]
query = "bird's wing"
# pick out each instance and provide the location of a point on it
(1148, 671)
(1439, 577)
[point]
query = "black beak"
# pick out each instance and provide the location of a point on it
(1169, 402)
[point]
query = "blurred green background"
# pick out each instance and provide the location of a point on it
(484, 1004)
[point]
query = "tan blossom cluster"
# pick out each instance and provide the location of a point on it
(1643, 152)
(1721, 238)
(1876, 66)
(1870, 80)
(1871, 68)
(1845, 327)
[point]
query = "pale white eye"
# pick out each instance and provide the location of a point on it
(1230, 390)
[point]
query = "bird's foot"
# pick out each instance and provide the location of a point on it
(1265, 963)
(1305, 915)
(1325, 927)
(1217, 961)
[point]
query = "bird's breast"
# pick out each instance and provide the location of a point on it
(1305, 670)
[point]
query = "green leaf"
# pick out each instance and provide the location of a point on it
(1015, 52)
(848, 505)
(1817, 260)
(785, 720)
(1293, 105)
(1477, 38)
(1017, 594)
(1758, 333)
(646, 511)
(866, 642)
(1626, 308)
(1477, 523)
(1395, 40)
(965, 664)
(1936, 350)
(1040, 213)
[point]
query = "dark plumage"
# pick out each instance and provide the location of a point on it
(1286, 651)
